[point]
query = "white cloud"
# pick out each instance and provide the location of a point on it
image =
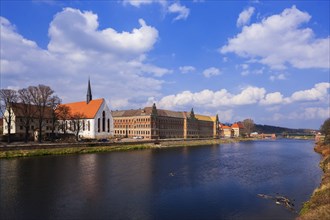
(247, 96)
(187, 69)
(245, 16)
(245, 66)
(115, 61)
(84, 35)
(245, 72)
(278, 41)
(259, 71)
(280, 76)
(320, 92)
(245, 69)
(181, 10)
(212, 71)
(272, 98)
(213, 99)
(137, 3)
(304, 114)
(316, 112)
(174, 8)
(155, 70)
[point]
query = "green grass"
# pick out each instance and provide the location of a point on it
(68, 150)
(91, 148)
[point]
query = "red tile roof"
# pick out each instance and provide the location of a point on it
(237, 125)
(89, 110)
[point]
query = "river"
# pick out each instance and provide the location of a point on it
(204, 182)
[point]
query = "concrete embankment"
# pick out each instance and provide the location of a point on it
(318, 207)
(35, 149)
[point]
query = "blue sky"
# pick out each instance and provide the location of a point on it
(265, 60)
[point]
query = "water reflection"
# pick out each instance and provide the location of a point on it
(205, 182)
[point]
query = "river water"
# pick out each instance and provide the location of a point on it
(204, 182)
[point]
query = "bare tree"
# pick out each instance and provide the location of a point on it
(77, 119)
(27, 110)
(41, 96)
(63, 113)
(54, 102)
(8, 98)
(248, 126)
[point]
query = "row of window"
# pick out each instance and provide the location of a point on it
(129, 132)
(132, 120)
(133, 126)
(173, 122)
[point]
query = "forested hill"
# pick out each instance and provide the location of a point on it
(268, 129)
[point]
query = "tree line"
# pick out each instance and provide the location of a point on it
(40, 103)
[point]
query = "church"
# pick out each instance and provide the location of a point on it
(95, 121)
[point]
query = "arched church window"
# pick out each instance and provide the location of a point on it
(103, 121)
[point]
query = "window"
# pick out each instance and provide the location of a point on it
(83, 124)
(108, 125)
(103, 121)
(88, 126)
(98, 125)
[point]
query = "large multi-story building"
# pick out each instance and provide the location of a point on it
(153, 123)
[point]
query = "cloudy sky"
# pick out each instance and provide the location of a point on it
(265, 60)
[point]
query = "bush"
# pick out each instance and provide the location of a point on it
(325, 129)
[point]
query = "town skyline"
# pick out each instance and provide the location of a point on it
(210, 56)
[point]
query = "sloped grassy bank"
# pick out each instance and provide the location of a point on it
(318, 207)
(62, 149)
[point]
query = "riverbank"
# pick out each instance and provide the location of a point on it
(318, 207)
(29, 150)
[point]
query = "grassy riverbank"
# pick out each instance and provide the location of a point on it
(318, 207)
(83, 149)
(68, 150)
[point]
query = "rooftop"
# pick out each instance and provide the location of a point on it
(89, 110)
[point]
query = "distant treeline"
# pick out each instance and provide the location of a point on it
(268, 129)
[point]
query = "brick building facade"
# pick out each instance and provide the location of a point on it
(153, 123)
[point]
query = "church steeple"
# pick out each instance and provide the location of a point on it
(192, 114)
(89, 92)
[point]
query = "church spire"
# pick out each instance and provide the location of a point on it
(89, 92)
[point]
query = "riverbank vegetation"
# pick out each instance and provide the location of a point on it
(318, 207)
(38, 150)
(69, 150)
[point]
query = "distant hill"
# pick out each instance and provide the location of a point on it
(268, 129)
